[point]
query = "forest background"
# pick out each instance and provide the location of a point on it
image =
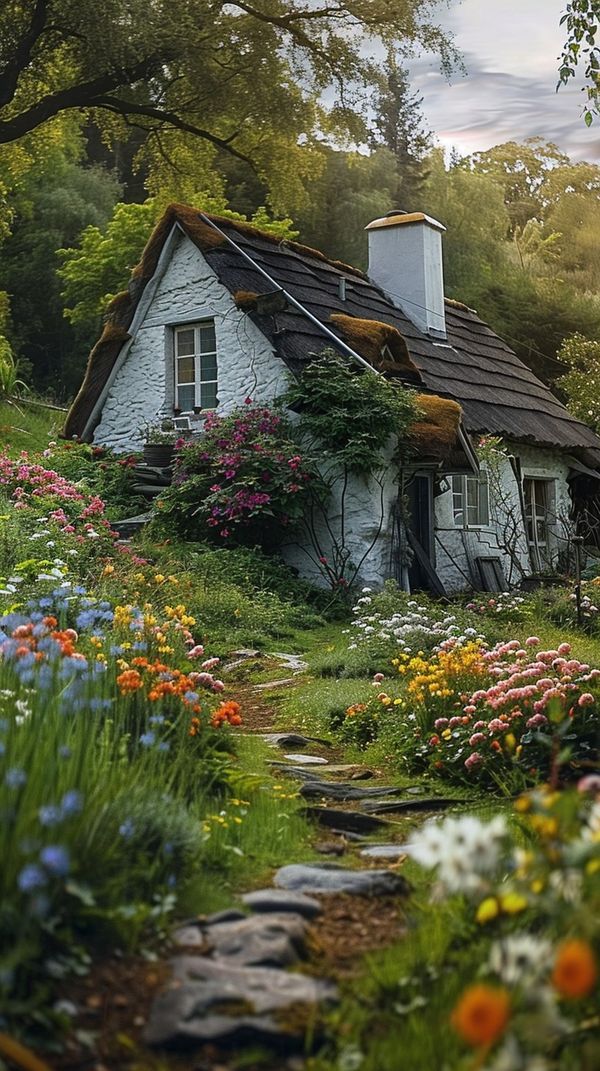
(270, 112)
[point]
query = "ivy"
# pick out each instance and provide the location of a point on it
(351, 414)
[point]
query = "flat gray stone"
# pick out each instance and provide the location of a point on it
(306, 760)
(384, 851)
(272, 684)
(294, 661)
(400, 806)
(213, 1001)
(284, 740)
(351, 822)
(229, 914)
(265, 940)
(338, 790)
(333, 878)
(282, 900)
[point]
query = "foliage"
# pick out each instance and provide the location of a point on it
(186, 75)
(581, 383)
(351, 416)
(582, 20)
(243, 482)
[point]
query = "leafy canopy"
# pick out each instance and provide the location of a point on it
(201, 77)
(581, 48)
(581, 384)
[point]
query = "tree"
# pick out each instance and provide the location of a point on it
(582, 21)
(398, 126)
(202, 77)
(522, 169)
(581, 384)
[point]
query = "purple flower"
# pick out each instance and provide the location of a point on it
(50, 815)
(56, 859)
(31, 877)
(127, 829)
(147, 739)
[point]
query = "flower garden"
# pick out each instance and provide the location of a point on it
(130, 793)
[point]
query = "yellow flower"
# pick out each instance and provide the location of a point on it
(159, 578)
(512, 903)
(108, 570)
(488, 909)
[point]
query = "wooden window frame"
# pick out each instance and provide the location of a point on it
(199, 356)
(459, 488)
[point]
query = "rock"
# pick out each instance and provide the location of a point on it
(245, 652)
(130, 525)
(229, 914)
(399, 806)
(307, 760)
(344, 821)
(330, 847)
(282, 900)
(384, 851)
(284, 740)
(265, 940)
(338, 790)
(297, 664)
(333, 878)
(213, 1001)
(361, 775)
(272, 684)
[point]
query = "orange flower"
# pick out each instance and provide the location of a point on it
(575, 969)
(229, 711)
(481, 1015)
(129, 681)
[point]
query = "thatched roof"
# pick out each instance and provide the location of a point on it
(436, 433)
(498, 393)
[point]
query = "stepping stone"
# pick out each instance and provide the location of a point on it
(399, 806)
(213, 1001)
(272, 684)
(284, 740)
(307, 760)
(351, 822)
(267, 940)
(337, 790)
(229, 914)
(293, 661)
(333, 878)
(384, 851)
(282, 900)
(361, 775)
(354, 772)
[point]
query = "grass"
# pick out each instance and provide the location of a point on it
(28, 425)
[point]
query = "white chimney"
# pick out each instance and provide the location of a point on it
(405, 260)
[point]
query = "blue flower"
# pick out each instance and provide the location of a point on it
(50, 815)
(71, 803)
(56, 859)
(157, 719)
(31, 877)
(163, 746)
(15, 778)
(127, 829)
(147, 739)
(65, 752)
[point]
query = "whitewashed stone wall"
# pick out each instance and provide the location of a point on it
(143, 389)
(457, 549)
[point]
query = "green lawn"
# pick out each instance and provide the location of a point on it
(28, 425)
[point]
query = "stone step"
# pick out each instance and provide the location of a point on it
(388, 806)
(285, 740)
(215, 1001)
(353, 822)
(343, 791)
(335, 878)
(130, 525)
(384, 851)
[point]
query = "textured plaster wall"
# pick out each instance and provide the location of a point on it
(457, 549)
(143, 389)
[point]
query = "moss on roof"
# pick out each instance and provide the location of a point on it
(436, 433)
(245, 299)
(380, 344)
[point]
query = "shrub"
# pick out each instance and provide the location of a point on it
(244, 482)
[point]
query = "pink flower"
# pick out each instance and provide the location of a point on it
(477, 738)
(454, 722)
(532, 641)
(196, 652)
(218, 686)
(589, 783)
(210, 663)
(536, 721)
(564, 649)
(497, 726)
(473, 761)
(378, 677)
(586, 699)
(440, 723)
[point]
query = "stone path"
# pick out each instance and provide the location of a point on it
(244, 975)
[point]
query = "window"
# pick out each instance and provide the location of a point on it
(538, 496)
(196, 367)
(470, 501)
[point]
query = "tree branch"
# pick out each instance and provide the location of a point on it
(21, 58)
(82, 95)
(125, 108)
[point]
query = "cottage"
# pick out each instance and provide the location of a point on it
(218, 310)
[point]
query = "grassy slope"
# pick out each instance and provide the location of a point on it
(27, 425)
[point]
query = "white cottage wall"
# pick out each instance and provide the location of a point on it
(143, 389)
(457, 549)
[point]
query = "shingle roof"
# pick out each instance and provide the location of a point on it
(499, 395)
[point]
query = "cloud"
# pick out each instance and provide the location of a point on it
(491, 105)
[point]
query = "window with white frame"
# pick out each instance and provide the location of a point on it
(470, 501)
(195, 367)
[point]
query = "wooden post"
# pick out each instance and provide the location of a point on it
(578, 544)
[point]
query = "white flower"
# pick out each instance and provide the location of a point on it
(521, 959)
(464, 850)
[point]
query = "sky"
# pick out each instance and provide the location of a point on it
(510, 50)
